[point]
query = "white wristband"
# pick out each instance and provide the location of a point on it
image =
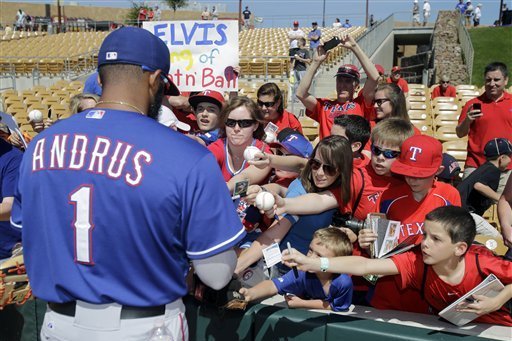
(324, 264)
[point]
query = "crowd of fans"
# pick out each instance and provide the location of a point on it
(369, 158)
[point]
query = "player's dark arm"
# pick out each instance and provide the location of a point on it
(5, 208)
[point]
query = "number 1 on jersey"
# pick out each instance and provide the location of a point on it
(81, 199)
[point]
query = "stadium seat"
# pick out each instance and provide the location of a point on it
(446, 133)
(457, 149)
(436, 101)
(494, 244)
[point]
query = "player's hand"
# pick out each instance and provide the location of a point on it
(348, 41)
(293, 301)
(279, 207)
(298, 259)
(37, 126)
(261, 160)
(350, 234)
(252, 192)
(482, 305)
(366, 238)
(248, 295)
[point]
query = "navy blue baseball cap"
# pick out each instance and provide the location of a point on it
(497, 147)
(451, 168)
(136, 46)
(293, 142)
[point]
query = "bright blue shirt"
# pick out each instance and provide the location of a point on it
(10, 159)
(112, 207)
(303, 226)
(91, 85)
(308, 286)
(314, 43)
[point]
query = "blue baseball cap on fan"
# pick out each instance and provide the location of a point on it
(136, 46)
(293, 142)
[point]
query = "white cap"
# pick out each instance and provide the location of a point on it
(168, 119)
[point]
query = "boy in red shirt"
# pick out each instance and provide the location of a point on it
(443, 269)
(324, 110)
(419, 162)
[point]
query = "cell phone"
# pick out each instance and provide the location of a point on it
(477, 106)
(329, 45)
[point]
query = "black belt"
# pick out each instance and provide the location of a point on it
(127, 312)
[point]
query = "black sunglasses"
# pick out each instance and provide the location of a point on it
(388, 153)
(381, 101)
(447, 82)
(241, 123)
(266, 104)
(328, 169)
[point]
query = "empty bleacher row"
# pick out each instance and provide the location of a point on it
(55, 98)
(51, 54)
(14, 35)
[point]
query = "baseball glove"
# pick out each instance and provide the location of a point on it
(14, 285)
(226, 298)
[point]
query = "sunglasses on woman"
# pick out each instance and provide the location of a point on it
(266, 104)
(241, 123)
(328, 169)
(388, 153)
(381, 101)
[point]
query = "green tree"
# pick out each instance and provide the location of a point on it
(133, 13)
(175, 4)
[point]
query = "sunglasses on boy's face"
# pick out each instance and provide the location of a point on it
(266, 104)
(388, 153)
(328, 169)
(241, 123)
(447, 82)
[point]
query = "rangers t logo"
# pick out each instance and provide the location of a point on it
(415, 151)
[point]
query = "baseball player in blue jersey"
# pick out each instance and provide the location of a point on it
(113, 206)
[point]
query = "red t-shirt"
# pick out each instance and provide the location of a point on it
(496, 121)
(440, 294)
(326, 110)
(142, 14)
(438, 92)
(398, 204)
(219, 150)
(402, 83)
(288, 120)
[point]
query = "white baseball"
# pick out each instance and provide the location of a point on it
(250, 152)
(264, 201)
(270, 137)
(35, 116)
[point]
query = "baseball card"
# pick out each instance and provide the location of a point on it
(272, 255)
(240, 190)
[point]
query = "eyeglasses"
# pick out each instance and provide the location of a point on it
(328, 169)
(381, 101)
(388, 153)
(266, 104)
(445, 82)
(241, 123)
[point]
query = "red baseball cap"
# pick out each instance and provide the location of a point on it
(396, 69)
(210, 96)
(295, 23)
(348, 70)
(420, 157)
(380, 69)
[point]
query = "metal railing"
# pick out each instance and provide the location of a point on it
(466, 46)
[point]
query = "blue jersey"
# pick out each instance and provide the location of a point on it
(303, 226)
(308, 286)
(113, 205)
(10, 158)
